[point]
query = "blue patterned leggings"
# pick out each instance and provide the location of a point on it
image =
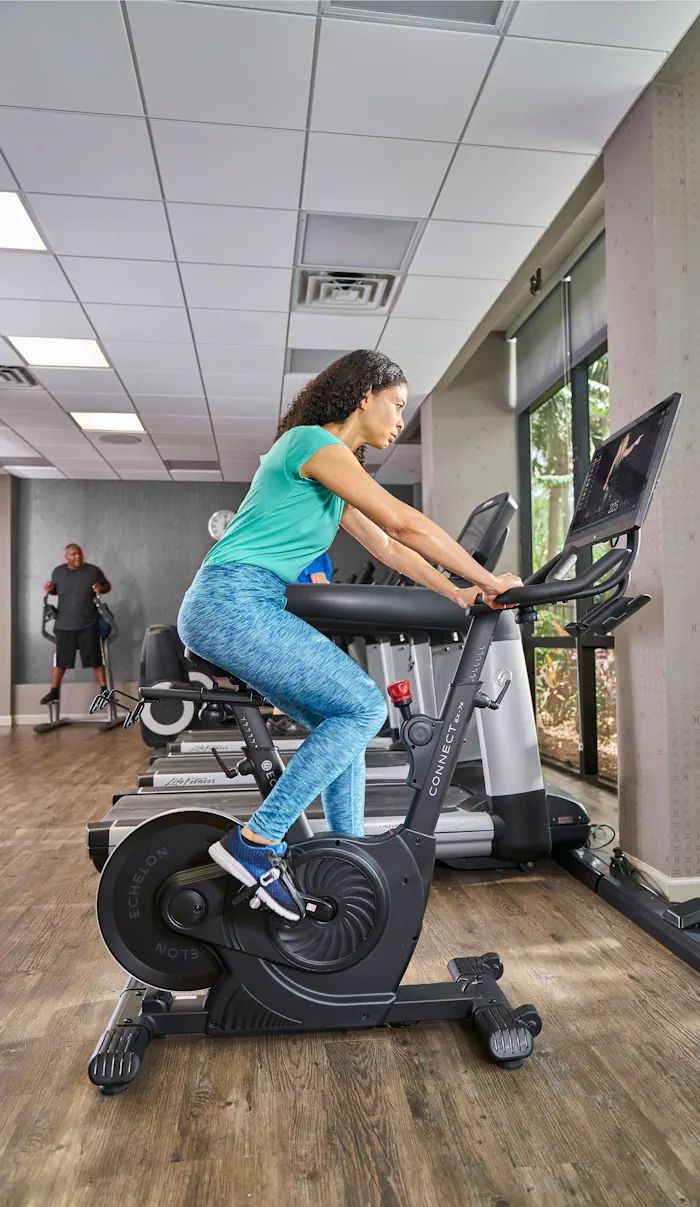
(235, 616)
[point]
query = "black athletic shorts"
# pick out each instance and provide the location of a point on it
(69, 641)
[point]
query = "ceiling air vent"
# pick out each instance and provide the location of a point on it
(344, 292)
(17, 375)
(193, 465)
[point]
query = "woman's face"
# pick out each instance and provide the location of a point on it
(382, 415)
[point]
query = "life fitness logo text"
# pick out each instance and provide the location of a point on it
(444, 751)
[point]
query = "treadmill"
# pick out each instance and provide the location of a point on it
(465, 831)
(189, 762)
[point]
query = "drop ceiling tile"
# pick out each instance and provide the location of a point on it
(293, 383)
(237, 327)
(79, 153)
(161, 323)
(146, 475)
(398, 178)
(199, 450)
(431, 336)
(654, 25)
(59, 320)
(67, 56)
(7, 182)
(138, 381)
(305, 7)
(50, 429)
(124, 282)
(430, 94)
(261, 429)
(423, 370)
(201, 64)
(226, 358)
(447, 298)
(196, 475)
(73, 451)
(245, 443)
(473, 249)
(557, 96)
(247, 386)
(12, 445)
(34, 471)
(241, 408)
(93, 475)
(118, 454)
(99, 226)
(218, 234)
(167, 404)
(80, 381)
(227, 287)
(150, 356)
(192, 424)
(115, 404)
(499, 185)
(27, 274)
(9, 356)
(334, 330)
(229, 165)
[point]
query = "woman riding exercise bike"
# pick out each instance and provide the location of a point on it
(310, 482)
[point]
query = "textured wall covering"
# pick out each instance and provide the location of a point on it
(468, 436)
(148, 537)
(652, 190)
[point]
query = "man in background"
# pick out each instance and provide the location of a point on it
(77, 626)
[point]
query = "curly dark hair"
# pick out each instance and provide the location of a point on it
(335, 393)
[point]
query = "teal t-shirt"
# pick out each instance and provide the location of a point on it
(285, 521)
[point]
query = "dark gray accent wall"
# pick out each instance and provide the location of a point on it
(149, 538)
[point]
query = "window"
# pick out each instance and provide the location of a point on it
(552, 493)
(573, 681)
(556, 704)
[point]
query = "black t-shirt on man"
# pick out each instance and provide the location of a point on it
(76, 604)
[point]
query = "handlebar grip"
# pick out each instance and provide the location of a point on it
(589, 582)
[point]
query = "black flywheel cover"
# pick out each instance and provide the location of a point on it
(128, 911)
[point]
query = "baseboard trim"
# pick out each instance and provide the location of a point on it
(673, 888)
(39, 718)
(5, 722)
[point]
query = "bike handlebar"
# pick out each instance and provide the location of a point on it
(544, 586)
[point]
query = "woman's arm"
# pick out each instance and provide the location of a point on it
(337, 468)
(400, 557)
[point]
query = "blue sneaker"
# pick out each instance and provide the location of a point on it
(252, 863)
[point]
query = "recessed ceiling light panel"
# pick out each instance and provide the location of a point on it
(105, 421)
(43, 353)
(17, 231)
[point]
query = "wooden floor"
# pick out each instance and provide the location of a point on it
(606, 1113)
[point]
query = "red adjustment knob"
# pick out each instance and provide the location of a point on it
(400, 692)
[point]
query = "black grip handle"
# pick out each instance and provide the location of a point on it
(605, 573)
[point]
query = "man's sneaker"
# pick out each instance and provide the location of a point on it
(285, 727)
(255, 863)
(51, 697)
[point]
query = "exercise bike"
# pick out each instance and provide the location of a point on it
(177, 923)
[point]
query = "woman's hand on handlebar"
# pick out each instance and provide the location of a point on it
(505, 582)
